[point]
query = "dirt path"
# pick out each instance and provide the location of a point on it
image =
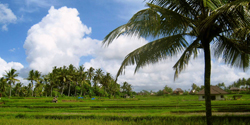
(216, 113)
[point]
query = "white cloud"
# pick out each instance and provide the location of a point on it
(58, 40)
(4, 66)
(6, 16)
(12, 50)
(155, 77)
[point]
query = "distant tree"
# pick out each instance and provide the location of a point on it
(18, 89)
(31, 78)
(195, 87)
(3, 85)
(168, 89)
(11, 78)
(221, 85)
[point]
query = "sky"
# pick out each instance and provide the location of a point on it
(41, 34)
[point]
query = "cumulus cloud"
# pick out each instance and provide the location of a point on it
(6, 16)
(62, 39)
(156, 76)
(6, 66)
(59, 39)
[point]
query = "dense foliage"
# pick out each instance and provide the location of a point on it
(70, 81)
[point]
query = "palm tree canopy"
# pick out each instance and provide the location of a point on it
(11, 75)
(224, 23)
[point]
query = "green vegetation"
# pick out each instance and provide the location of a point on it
(70, 81)
(221, 23)
(179, 109)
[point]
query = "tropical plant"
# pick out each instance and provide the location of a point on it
(167, 90)
(224, 23)
(18, 89)
(71, 76)
(106, 80)
(82, 78)
(11, 78)
(3, 84)
(31, 77)
(90, 73)
(38, 79)
(52, 78)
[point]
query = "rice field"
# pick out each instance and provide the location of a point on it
(176, 110)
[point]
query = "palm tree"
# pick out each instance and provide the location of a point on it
(106, 80)
(63, 77)
(3, 84)
(31, 77)
(97, 78)
(82, 78)
(18, 88)
(11, 78)
(37, 78)
(71, 74)
(90, 73)
(124, 86)
(224, 23)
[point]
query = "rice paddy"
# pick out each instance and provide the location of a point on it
(178, 110)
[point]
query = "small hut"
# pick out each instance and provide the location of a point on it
(216, 93)
(235, 89)
(178, 91)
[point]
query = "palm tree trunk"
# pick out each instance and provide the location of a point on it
(10, 91)
(75, 89)
(62, 89)
(32, 88)
(69, 90)
(207, 82)
(51, 91)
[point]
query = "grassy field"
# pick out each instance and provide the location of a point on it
(181, 109)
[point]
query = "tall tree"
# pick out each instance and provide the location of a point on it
(71, 74)
(82, 78)
(106, 80)
(31, 77)
(52, 77)
(224, 23)
(11, 78)
(18, 89)
(90, 73)
(98, 76)
(168, 89)
(3, 84)
(37, 78)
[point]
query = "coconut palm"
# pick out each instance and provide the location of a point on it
(223, 23)
(71, 74)
(37, 78)
(52, 78)
(63, 76)
(90, 73)
(11, 78)
(82, 78)
(18, 88)
(31, 77)
(106, 80)
(3, 84)
(97, 78)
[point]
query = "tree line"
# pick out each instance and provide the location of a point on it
(64, 81)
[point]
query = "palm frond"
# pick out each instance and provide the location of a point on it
(154, 51)
(184, 59)
(155, 22)
(229, 50)
(230, 15)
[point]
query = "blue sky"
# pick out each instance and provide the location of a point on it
(40, 34)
